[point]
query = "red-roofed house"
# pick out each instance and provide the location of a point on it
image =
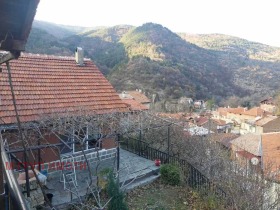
(268, 105)
(133, 105)
(47, 86)
(268, 124)
(140, 97)
(246, 147)
(270, 143)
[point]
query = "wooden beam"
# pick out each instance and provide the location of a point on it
(9, 56)
(30, 14)
(12, 45)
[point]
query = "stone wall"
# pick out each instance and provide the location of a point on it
(36, 195)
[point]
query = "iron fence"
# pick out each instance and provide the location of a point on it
(193, 177)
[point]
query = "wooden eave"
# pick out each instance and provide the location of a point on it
(16, 22)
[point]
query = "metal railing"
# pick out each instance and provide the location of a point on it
(193, 177)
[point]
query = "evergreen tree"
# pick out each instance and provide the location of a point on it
(117, 202)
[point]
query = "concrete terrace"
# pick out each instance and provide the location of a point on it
(134, 171)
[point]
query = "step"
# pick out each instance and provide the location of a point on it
(144, 177)
(141, 182)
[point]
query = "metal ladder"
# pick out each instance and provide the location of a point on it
(68, 173)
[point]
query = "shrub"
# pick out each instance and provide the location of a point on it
(114, 192)
(170, 174)
(103, 178)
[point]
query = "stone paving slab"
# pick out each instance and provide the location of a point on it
(131, 166)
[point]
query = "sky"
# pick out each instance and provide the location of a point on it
(255, 20)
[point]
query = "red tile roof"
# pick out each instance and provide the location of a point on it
(219, 122)
(249, 142)
(238, 110)
(224, 138)
(255, 112)
(134, 105)
(201, 120)
(222, 111)
(44, 85)
(247, 155)
(265, 120)
(271, 151)
(138, 96)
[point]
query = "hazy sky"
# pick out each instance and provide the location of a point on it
(256, 20)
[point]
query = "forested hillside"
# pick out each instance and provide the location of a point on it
(157, 60)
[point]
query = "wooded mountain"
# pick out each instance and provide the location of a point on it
(156, 60)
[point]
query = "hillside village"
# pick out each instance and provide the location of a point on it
(242, 130)
(72, 138)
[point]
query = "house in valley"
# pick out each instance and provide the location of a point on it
(140, 97)
(133, 104)
(268, 124)
(270, 144)
(247, 149)
(268, 105)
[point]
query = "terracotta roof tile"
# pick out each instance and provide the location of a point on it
(219, 122)
(249, 142)
(255, 111)
(222, 111)
(265, 120)
(45, 85)
(238, 110)
(138, 96)
(201, 120)
(224, 138)
(271, 151)
(247, 155)
(134, 105)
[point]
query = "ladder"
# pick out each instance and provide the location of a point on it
(68, 172)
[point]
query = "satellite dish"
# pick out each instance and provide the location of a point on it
(255, 161)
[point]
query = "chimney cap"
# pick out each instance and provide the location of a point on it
(79, 49)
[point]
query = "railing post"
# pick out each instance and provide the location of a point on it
(118, 152)
(168, 143)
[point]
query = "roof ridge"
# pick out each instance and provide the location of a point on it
(46, 56)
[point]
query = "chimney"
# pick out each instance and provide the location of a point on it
(123, 94)
(79, 56)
